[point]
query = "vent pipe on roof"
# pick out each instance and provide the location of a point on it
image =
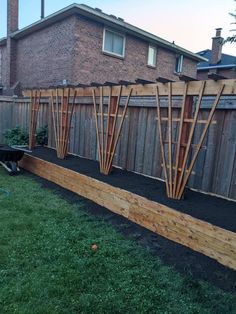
(42, 9)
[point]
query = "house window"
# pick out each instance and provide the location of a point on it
(113, 43)
(178, 63)
(152, 56)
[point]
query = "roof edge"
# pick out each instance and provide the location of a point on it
(3, 41)
(108, 20)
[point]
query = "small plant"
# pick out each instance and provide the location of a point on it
(19, 136)
(16, 136)
(42, 136)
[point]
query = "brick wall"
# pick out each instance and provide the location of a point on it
(45, 57)
(3, 67)
(72, 49)
(228, 73)
(88, 51)
(12, 15)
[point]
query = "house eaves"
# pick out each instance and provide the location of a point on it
(3, 41)
(107, 20)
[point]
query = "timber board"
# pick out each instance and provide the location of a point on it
(201, 236)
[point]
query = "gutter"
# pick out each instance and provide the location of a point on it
(107, 20)
(216, 67)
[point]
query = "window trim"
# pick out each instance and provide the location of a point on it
(180, 60)
(113, 53)
(151, 65)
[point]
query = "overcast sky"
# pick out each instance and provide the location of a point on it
(190, 23)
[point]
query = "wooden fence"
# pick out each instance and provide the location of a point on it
(214, 171)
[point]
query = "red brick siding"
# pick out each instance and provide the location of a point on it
(88, 51)
(189, 67)
(3, 67)
(46, 57)
(11, 61)
(12, 15)
(202, 75)
(72, 50)
(228, 73)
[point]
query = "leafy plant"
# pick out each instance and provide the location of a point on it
(42, 136)
(16, 136)
(19, 136)
(232, 39)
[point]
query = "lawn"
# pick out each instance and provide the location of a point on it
(47, 264)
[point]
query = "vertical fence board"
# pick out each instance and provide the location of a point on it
(226, 155)
(140, 144)
(132, 139)
(139, 148)
(150, 142)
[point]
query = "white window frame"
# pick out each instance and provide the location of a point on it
(152, 65)
(110, 52)
(179, 66)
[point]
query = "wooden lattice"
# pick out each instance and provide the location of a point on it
(178, 167)
(107, 126)
(35, 103)
(62, 111)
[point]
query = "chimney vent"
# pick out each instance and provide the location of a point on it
(97, 9)
(42, 9)
(218, 32)
(216, 50)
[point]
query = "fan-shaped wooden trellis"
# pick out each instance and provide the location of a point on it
(62, 111)
(35, 102)
(177, 170)
(107, 128)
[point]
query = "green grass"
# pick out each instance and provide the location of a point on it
(47, 265)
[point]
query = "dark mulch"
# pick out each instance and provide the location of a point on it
(215, 210)
(183, 259)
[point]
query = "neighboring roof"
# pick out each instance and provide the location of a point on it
(227, 61)
(108, 20)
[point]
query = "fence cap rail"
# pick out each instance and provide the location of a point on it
(194, 88)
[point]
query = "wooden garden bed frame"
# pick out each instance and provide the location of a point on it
(203, 237)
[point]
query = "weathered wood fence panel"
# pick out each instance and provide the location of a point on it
(139, 147)
(14, 113)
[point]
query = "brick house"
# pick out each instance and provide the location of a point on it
(220, 65)
(79, 44)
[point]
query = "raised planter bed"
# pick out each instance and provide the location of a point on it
(201, 222)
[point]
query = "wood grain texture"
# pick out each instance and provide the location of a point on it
(109, 124)
(210, 169)
(149, 89)
(203, 237)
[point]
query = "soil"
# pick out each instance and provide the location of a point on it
(215, 210)
(182, 259)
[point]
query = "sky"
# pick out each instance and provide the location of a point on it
(189, 23)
